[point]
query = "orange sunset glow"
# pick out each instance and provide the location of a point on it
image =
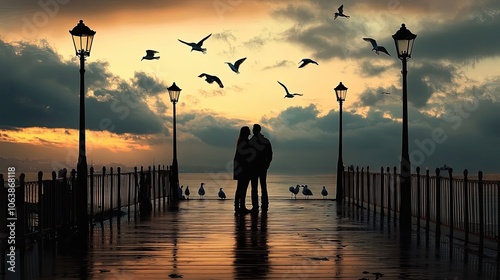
(129, 113)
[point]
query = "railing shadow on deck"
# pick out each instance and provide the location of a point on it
(468, 209)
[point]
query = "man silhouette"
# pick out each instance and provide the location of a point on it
(262, 161)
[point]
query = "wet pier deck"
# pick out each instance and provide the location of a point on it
(296, 239)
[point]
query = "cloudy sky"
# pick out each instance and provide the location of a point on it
(453, 82)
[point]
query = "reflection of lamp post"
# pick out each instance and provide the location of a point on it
(341, 92)
(404, 40)
(174, 91)
(83, 37)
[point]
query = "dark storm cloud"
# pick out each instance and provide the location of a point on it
(424, 79)
(379, 95)
(460, 41)
(294, 115)
(376, 141)
(216, 131)
(38, 88)
(466, 38)
(428, 78)
(149, 85)
(372, 68)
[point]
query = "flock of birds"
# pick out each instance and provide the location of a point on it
(184, 194)
(198, 46)
(306, 191)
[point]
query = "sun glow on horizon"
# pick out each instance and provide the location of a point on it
(68, 138)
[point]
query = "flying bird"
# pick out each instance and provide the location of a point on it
(376, 47)
(385, 92)
(306, 61)
(294, 191)
(306, 191)
(150, 55)
(210, 79)
(236, 66)
(340, 13)
(324, 192)
(187, 192)
(222, 195)
(288, 94)
(197, 46)
(201, 191)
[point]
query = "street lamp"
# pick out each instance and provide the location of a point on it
(404, 40)
(174, 91)
(341, 92)
(83, 37)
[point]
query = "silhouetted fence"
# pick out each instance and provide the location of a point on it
(49, 205)
(464, 204)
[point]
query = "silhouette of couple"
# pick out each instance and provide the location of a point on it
(251, 161)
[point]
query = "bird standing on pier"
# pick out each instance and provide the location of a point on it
(197, 46)
(201, 191)
(222, 195)
(294, 191)
(187, 192)
(324, 192)
(306, 192)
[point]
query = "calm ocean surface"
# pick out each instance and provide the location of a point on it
(277, 184)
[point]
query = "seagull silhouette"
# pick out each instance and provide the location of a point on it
(201, 191)
(197, 46)
(222, 195)
(210, 79)
(288, 94)
(236, 66)
(187, 192)
(294, 191)
(324, 192)
(150, 54)
(306, 191)
(306, 61)
(340, 13)
(376, 47)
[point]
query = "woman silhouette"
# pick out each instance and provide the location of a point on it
(241, 172)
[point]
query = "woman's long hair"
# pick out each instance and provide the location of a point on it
(244, 133)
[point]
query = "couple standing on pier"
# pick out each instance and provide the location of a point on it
(251, 161)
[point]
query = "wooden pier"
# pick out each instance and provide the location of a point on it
(296, 239)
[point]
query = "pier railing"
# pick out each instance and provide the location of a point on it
(48, 206)
(458, 203)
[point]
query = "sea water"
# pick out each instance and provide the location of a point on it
(277, 184)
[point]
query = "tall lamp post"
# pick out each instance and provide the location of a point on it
(404, 40)
(341, 92)
(174, 91)
(83, 37)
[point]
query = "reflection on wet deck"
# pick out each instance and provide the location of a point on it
(297, 239)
